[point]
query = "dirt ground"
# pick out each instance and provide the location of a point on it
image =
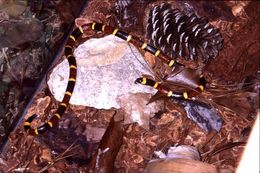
(75, 145)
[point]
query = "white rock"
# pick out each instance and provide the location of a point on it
(107, 69)
(135, 105)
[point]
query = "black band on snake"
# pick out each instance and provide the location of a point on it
(53, 121)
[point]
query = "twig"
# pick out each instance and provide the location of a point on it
(8, 65)
(60, 157)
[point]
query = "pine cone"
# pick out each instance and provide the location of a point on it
(180, 35)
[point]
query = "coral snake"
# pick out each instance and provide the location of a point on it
(70, 46)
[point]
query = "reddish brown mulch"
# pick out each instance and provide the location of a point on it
(75, 145)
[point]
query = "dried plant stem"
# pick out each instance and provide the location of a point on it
(8, 65)
(60, 157)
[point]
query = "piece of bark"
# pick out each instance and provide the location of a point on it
(104, 158)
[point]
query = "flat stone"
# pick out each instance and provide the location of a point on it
(107, 69)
